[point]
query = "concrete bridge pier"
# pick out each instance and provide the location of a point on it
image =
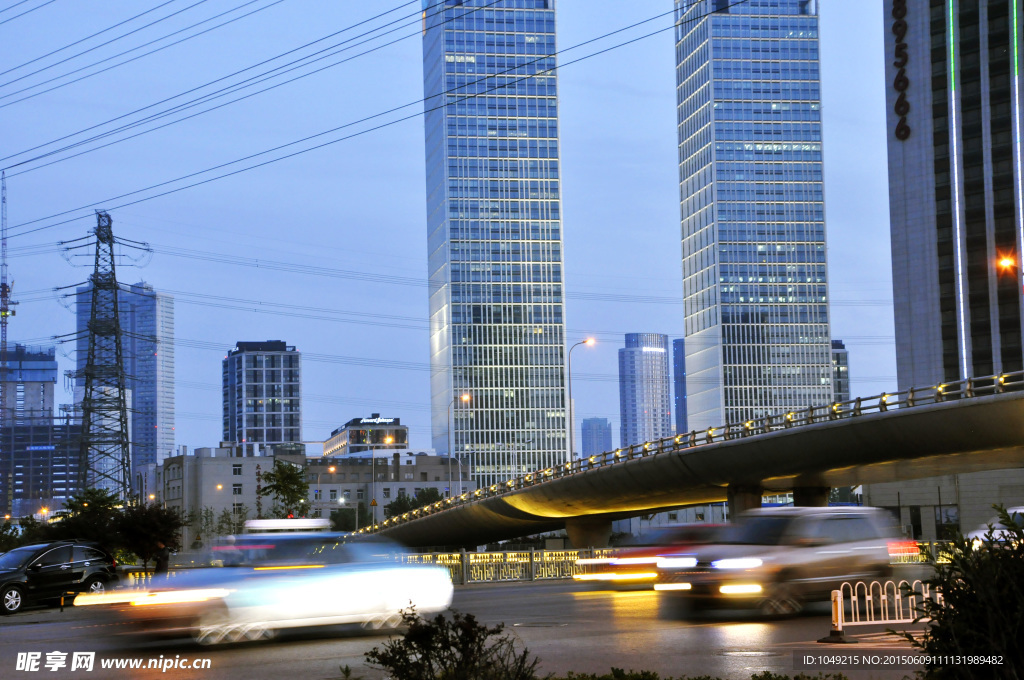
(588, 532)
(743, 498)
(811, 496)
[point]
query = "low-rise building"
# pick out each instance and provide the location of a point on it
(367, 434)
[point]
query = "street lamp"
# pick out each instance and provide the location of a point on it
(319, 493)
(465, 399)
(568, 372)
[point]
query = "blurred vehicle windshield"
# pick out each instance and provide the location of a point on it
(758, 531)
(288, 549)
(16, 558)
(673, 536)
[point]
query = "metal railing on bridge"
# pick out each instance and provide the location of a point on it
(963, 389)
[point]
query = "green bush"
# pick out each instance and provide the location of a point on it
(456, 648)
(982, 609)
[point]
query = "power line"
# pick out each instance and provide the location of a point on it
(8, 9)
(362, 132)
(103, 44)
(204, 85)
(137, 57)
(28, 11)
(88, 37)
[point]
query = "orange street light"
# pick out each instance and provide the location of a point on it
(1006, 262)
(464, 398)
(589, 342)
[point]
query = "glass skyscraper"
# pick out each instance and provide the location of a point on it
(752, 209)
(645, 395)
(147, 324)
(497, 329)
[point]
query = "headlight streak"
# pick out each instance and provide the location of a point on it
(677, 562)
(737, 563)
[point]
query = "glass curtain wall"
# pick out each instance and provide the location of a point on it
(494, 235)
(752, 209)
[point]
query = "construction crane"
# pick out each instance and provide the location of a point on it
(6, 304)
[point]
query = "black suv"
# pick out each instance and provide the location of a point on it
(46, 571)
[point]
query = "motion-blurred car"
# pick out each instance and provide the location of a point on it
(634, 564)
(270, 582)
(775, 559)
(45, 572)
(1000, 532)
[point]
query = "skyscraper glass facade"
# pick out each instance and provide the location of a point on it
(596, 436)
(679, 384)
(147, 343)
(497, 328)
(752, 209)
(645, 398)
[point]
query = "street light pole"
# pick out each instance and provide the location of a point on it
(464, 398)
(320, 493)
(569, 410)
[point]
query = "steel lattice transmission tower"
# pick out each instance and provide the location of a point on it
(105, 452)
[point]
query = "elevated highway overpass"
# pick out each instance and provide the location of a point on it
(971, 425)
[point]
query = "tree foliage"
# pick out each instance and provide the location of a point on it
(405, 503)
(287, 484)
(140, 527)
(982, 608)
(455, 648)
(344, 519)
(9, 537)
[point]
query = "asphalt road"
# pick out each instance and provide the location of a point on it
(568, 626)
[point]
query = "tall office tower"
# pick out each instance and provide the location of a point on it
(147, 324)
(497, 329)
(840, 371)
(955, 201)
(596, 435)
(645, 401)
(262, 396)
(752, 209)
(679, 383)
(956, 210)
(31, 377)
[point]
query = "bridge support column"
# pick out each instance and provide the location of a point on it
(743, 498)
(586, 532)
(811, 496)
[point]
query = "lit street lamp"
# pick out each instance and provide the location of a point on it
(568, 372)
(319, 493)
(465, 399)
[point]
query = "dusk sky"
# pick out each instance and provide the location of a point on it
(327, 250)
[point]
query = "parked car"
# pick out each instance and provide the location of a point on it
(633, 566)
(1000, 531)
(44, 572)
(775, 559)
(275, 581)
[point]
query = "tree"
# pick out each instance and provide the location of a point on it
(232, 521)
(344, 519)
(288, 485)
(140, 527)
(90, 515)
(405, 503)
(202, 522)
(9, 537)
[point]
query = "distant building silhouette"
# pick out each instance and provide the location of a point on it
(597, 436)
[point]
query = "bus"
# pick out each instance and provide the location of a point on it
(281, 526)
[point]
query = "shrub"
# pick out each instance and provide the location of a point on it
(982, 609)
(458, 648)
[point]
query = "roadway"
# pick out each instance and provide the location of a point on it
(567, 625)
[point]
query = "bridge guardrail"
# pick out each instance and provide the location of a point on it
(963, 389)
(509, 565)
